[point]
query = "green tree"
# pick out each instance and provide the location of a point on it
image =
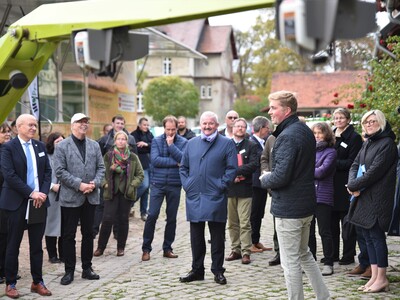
(170, 95)
(382, 87)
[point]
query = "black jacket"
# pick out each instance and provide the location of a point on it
(256, 174)
(188, 134)
(143, 152)
(293, 164)
(377, 185)
(248, 151)
(347, 147)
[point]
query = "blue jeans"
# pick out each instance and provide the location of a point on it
(143, 193)
(363, 258)
(172, 195)
(376, 244)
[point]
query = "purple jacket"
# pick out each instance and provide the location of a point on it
(325, 167)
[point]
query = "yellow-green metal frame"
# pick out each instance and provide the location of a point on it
(30, 41)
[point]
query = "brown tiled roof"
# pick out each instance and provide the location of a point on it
(199, 35)
(188, 33)
(319, 90)
(216, 39)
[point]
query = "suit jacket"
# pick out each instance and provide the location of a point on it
(71, 171)
(15, 190)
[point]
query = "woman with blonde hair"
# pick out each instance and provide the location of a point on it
(372, 181)
(124, 174)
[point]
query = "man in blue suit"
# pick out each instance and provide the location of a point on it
(27, 177)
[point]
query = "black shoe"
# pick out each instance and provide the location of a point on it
(1, 280)
(220, 278)
(54, 260)
(191, 276)
(89, 274)
(275, 261)
(67, 278)
(346, 261)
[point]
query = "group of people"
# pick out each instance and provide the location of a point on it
(313, 176)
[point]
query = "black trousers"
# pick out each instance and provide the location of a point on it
(115, 210)
(349, 246)
(198, 243)
(52, 243)
(323, 215)
(257, 212)
(16, 227)
(3, 240)
(70, 218)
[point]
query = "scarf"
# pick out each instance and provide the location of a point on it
(120, 159)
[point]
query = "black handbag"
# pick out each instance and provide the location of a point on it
(348, 229)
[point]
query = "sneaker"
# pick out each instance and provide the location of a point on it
(357, 271)
(327, 270)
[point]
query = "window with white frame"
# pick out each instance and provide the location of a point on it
(139, 102)
(203, 92)
(209, 91)
(167, 67)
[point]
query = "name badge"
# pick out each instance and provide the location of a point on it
(242, 151)
(41, 154)
(344, 145)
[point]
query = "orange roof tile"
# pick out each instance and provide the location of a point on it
(319, 90)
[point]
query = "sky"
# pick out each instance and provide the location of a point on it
(241, 21)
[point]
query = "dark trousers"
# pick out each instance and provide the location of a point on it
(275, 238)
(198, 243)
(51, 246)
(376, 245)
(116, 209)
(257, 212)
(363, 258)
(349, 245)
(16, 226)
(323, 214)
(143, 193)
(70, 218)
(3, 240)
(172, 195)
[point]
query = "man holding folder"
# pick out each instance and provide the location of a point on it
(27, 177)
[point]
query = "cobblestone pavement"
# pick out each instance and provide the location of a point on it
(127, 277)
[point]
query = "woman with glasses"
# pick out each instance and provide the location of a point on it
(5, 136)
(348, 143)
(124, 174)
(372, 180)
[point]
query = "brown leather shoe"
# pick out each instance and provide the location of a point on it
(145, 256)
(233, 256)
(357, 271)
(170, 254)
(262, 247)
(120, 252)
(11, 291)
(254, 249)
(367, 274)
(40, 288)
(246, 259)
(98, 252)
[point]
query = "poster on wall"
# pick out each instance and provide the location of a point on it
(126, 102)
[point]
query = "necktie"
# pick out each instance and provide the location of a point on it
(30, 176)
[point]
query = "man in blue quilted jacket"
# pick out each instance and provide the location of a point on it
(291, 181)
(165, 157)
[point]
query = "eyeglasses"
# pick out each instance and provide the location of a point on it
(370, 122)
(239, 126)
(231, 118)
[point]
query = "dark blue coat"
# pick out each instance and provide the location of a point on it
(164, 160)
(15, 190)
(325, 165)
(207, 169)
(293, 164)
